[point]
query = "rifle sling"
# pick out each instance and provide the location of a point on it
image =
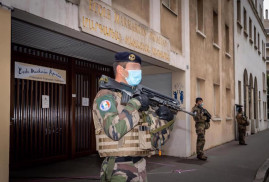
(163, 127)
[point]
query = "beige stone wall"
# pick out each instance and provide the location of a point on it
(5, 37)
(171, 25)
(212, 66)
(138, 10)
(266, 23)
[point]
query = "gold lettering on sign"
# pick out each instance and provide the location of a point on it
(99, 10)
(125, 22)
(157, 39)
(160, 54)
(94, 26)
(99, 19)
(137, 44)
(89, 24)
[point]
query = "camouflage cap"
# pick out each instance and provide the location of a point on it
(127, 57)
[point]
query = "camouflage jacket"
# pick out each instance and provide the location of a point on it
(116, 120)
(199, 117)
(241, 120)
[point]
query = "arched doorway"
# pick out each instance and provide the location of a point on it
(250, 97)
(251, 108)
(256, 102)
(245, 88)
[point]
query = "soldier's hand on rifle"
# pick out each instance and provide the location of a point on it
(144, 100)
(165, 113)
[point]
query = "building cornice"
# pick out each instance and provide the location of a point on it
(257, 16)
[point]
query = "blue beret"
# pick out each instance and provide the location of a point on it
(127, 57)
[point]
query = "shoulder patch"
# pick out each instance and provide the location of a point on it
(105, 105)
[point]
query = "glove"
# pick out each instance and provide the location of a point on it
(144, 101)
(165, 113)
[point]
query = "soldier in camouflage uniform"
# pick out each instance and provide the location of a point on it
(117, 121)
(242, 124)
(201, 125)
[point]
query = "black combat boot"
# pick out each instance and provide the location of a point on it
(202, 157)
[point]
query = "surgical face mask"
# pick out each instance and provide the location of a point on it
(134, 77)
(202, 104)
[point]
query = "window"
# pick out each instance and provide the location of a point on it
(255, 42)
(250, 28)
(200, 88)
(264, 45)
(215, 26)
(216, 101)
(239, 92)
(258, 41)
(263, 81)
(261, 12)
(264, 110)
(228, 103)
(262, 49)
(239, 11)
(260, 115)
(227, 41)
(200, 15)
(245, 19)
(171, 5)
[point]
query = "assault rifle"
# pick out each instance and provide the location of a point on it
(206, 113)
(245, 118)
(156, 99)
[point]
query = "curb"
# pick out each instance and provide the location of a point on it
(263, 172)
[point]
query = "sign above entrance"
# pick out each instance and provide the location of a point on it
(39, 73)
(101, 20)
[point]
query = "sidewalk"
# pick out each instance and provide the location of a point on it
(227, 163)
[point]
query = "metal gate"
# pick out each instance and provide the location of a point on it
(86, 78)
(63, 130)
(83, 112)
(39, 133)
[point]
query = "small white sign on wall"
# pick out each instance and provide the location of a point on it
(85, 101)
(45, 101)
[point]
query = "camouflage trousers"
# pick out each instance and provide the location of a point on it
(200, 143)
(242, 135)
(124, 171)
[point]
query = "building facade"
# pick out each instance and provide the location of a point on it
(59, 49)
(55, 52)
(212, 67)
(250, 66)
(266, 26)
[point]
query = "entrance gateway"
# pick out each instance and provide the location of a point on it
(61, 127)
(51, 120)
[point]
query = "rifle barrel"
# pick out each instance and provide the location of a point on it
(190, 113)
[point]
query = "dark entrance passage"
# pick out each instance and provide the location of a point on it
(63, 130)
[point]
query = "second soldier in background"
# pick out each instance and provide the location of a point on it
(201, 124)
(242, 122)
